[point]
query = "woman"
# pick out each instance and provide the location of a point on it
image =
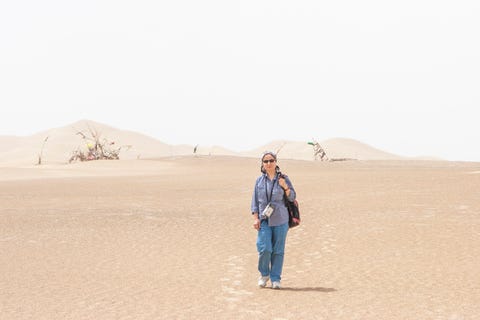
(271, 219)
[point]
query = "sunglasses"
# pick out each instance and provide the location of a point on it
(269, 160)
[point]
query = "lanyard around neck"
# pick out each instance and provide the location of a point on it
(273, 186)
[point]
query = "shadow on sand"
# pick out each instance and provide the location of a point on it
(309, 289)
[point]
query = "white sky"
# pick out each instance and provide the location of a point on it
(402, 76)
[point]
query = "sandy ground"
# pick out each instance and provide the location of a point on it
(173, 239)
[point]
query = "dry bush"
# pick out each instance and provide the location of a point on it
(97, 148)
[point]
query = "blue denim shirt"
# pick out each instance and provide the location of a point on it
(261, 197)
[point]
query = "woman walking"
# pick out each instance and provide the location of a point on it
(271, 219)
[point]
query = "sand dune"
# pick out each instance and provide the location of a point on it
(336, 148)
(63, 141)
(172, 239)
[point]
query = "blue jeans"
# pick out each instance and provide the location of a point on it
(271, 248)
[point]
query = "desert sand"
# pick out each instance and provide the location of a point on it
(172, 238)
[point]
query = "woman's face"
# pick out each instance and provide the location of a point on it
(269, 162)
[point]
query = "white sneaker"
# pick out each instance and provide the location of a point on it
(276, 285)
(262, 282)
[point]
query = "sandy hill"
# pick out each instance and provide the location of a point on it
(63, 141)
(349, 148)
(9, 142)
(337, 148)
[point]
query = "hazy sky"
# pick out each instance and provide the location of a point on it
(402, 76)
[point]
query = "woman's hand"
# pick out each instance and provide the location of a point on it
(284, 185)
(256, 224)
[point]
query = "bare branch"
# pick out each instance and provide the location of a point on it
(41, 151)
(98, 149)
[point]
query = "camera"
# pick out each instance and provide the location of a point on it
(267, 212)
